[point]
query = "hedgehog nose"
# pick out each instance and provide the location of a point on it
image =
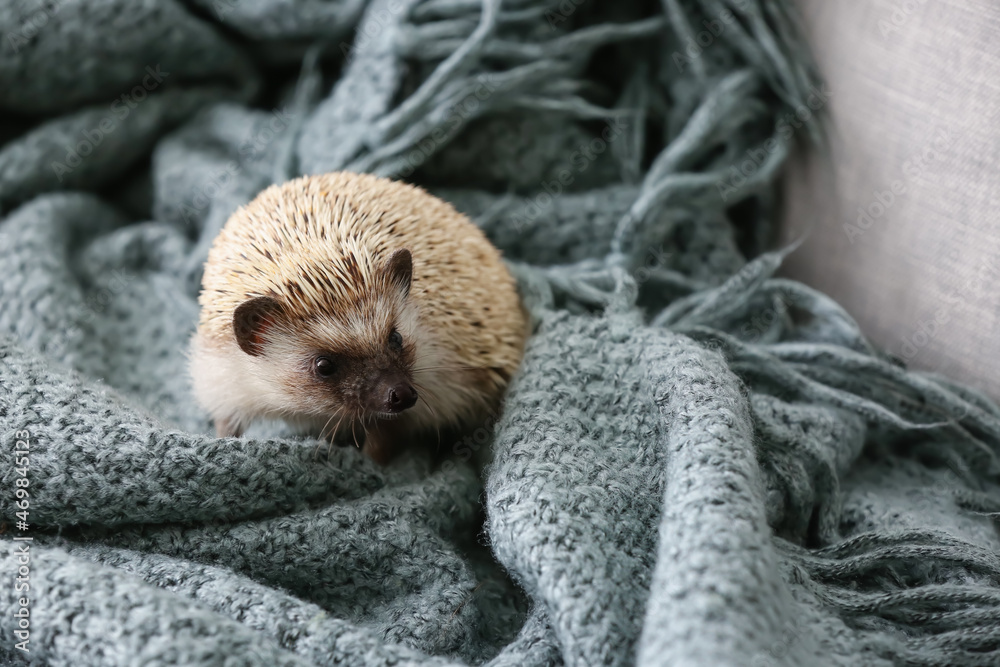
(401, 397)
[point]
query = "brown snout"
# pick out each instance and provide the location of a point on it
(401, 397)
(392, 393)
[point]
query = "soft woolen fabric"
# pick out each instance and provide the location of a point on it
(698, 463)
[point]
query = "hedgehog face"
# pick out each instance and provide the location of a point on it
(370, 377)
(353, 359)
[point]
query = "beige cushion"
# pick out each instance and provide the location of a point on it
(905, 212)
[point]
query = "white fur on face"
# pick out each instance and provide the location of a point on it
(240, 388)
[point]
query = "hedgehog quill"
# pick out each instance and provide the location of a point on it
(349, 304)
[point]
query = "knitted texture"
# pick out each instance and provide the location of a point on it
(698, 463)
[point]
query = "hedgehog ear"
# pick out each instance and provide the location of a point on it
(399, 267)
(251, 320)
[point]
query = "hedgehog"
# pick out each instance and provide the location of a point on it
(348, 304)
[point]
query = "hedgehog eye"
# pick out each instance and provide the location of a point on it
(396, 340)
(324, 367)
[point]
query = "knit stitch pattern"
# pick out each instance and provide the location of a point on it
(698, 462)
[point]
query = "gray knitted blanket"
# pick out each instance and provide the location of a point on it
(699, 462)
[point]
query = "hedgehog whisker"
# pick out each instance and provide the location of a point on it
(421, 389)
(322, 431)
(336, 429)
(333, 435)
(430, 406)
(354, 435)
(321, 437)
(445, 368)
(364, 430)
